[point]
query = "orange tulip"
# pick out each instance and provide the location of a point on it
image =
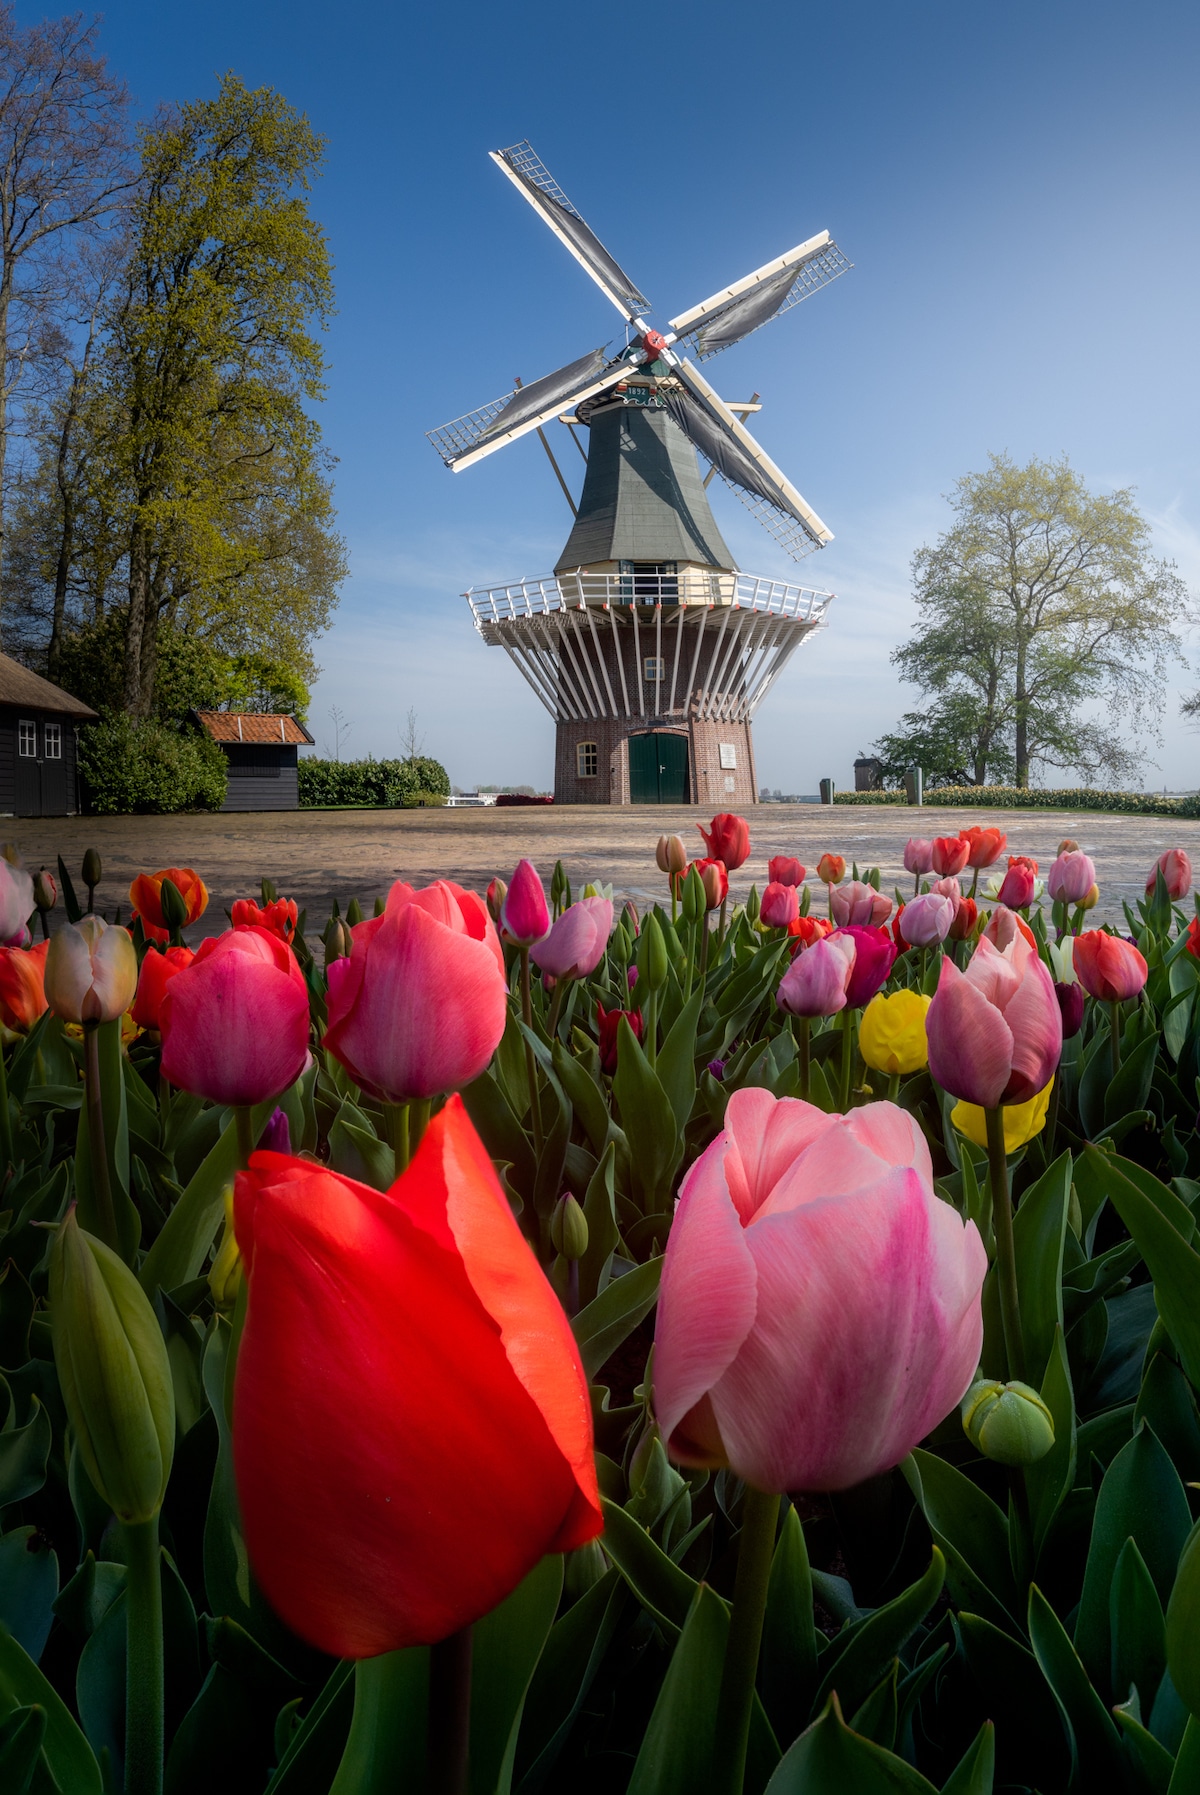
(22, 985)
(145, 894)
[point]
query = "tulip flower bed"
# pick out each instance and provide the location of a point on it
(513, 1345)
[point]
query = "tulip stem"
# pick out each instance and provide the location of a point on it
(721, 923)
(143, 1660)
(756, 1547)
(1006, 1256)
(802, 1028)
(97, 1144)
(651, 1014)
(449, 1714)
(6, 1140)
(535, 1114)
(556, 1003)
(396, 1126)
(1114, 1036)
(893, 1088)
(845, 1019)
(704, 934)
(243, 1118)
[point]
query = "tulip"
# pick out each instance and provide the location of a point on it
(815, 982)
(1067, 846)
(965, 918)
(1017, 888)
(875, 955)
(91, 972)
(402, 1355)
(831, 869)
(1070, 1004)
(780, 906)
(918, 856)
(145, 894)
(16, 904)
(671, 855)
(158, 969)
(995, 1032)
(1108, 967)
(22, 986)
(807, 929)
(948, 888)
(575, 945)
(1005, 926)
(1090, 899)
(45, 896)
(891, 1035)
(714, 877)
(1071, 878)
(1022, 1121)
(279, 917)
(1193, 938)
(858, 905)
(497, 891)
(420, 1005)
(609, 1025)
(1008, 1423)
(925, 921)
(1176, 870)
(783, 870)
(727, 839)
(524, 913)
(949, 855)
(984, 846)
(819, 1310)
(235, 1022)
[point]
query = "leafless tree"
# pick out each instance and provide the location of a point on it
(341, 729)
(410, 741)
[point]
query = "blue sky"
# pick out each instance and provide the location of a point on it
(1015, 184)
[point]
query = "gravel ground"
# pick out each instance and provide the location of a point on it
(317, 855)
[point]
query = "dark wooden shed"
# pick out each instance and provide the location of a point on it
(39, 772)
(262, 755)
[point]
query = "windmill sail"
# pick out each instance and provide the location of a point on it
(547, 198)
(479, 433)
(743, 464)
(771, 290)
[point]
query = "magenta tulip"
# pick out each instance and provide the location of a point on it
(1176, 869)
(874, 957)
(918, 856)
(820, 1308)
(926, 920)
(783, 870)
(780, 905)
(235, 1022)
(1070, 1004)
(995, 1031)
(575, 945)
(1018, 887)
(524, 914)
(858, 905)
(815, 982)
(419, 1007)
(1070, 878)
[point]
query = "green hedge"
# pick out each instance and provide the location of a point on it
(372, 784)
(148, 769)
(1013, 797)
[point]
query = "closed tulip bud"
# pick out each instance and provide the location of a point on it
(782, 869)
(583, 1569)
(45, 892)
(949, 855)
(113, 1372)
(779, 906)
(608, 1026)
(714, 879)
(577, 940)
(568, 1228)
(891, 1035)
(497, 891)
(1018, 887)
(918, 856)
(172, 904)
(1068, 846)
(1007, 1422)
(831, 869)
(925, 921)
(727, 839)
(1071, 878)
(653, 965)
(858, 905)
(524, 914)
(754, 906)
(1107, 967)
(1176, 870)
(671, 854)
(815, 982)
(93, 869)
(1090, 898)
(695, 900)
(965, 918)
(1070, 1003)
(984, 846)
(91, 972)
(338, 940)
(995, 1030)
(145, 894)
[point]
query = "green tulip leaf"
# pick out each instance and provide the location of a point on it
(1185, 1778)
(613, 1315)
(879, 1716)
(116, 1136)
(1039, 1231)
(975, 1771)
(676, 1064)
(28, 1587)
(1139, 1643)
(1032, 1732)
(1183, 1626)
(506, 1647)
(599, 1211)
(1162, 1227)
(655, 1579)
(1167, 1403)
(66, 1753)
(853, 1664)
(566, 1670)
(1153, 1762)
(972, 1533)
(1091, 1727)
(788, 1656)
(178, 1254)
(24, 1452)
(355, 1151)
(1049, 1480)
(312, 1755)
(1131, 1086)
(21, 1739)
(232, 1720)
(831, 1759)
(655, 1143)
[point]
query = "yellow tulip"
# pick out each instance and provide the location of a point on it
(891, 1035)
(1021, 1120)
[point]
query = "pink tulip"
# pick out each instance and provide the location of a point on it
(926, 920)
(780, 905)
(820, 1309)
(995, 1031)
(874, 957)
(575, 945)
(419, 1007)
(235, 1022)
(524, 914)
(858, 905)
(1018, 887)
(918, 856)
(783, 870)
(1176, 869)
(16, 904)
(1070, 878)
(815, 982)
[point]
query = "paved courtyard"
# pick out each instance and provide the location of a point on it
(317, 855)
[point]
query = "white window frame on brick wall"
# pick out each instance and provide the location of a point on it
(52, 735)
(585, 752)
(655, 669)
(27, 739)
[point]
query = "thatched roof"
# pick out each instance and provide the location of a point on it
(29, 691)
(253, 729)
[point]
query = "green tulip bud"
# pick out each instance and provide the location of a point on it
(620, 947)
(568, 1228)
(353, 913)
(45, 893)
(583, 1569)
(1183, 1622)
(174, 908)
(1007, 1422)
(338, 940)
(653, 1481)
(113, 1372)
(752, 905)
(93, 869)
(653, 964)
(695, 902)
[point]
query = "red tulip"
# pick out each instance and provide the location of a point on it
(780, 906)
(419, 1007)
(875, 955)
(715, 879)
(145, 894)
(831, 869)
(1108, 967)
(157, 972)
(1176, 869)
(609, 1025)
(411, 1424)
(1193, 938)
(279, 917)
(807, 929)
(1018, 887)
(235, 1022)
(995, 1031)
(783, 870)
(984, 846)
(524, 912)
(727, 839)
(949, 855)
(965, 918)
(22, 986)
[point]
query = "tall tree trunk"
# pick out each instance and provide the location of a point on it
(5, 302)
(66, 538)
(1022, 706)
(135, 623)
(149, 658)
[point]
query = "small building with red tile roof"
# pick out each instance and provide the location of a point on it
(262, 756)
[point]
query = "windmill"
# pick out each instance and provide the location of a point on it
(650, 648)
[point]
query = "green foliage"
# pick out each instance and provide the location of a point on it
(193, 674)
(372, 784)
(131, 768)
(1012, 797)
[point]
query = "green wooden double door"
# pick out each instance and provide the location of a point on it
(658, 768)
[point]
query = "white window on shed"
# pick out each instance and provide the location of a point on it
(27, 739)
(52, 734)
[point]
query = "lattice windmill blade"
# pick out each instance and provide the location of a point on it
(468, 439)
(532, 178)
(743, 464)
(753, 301)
